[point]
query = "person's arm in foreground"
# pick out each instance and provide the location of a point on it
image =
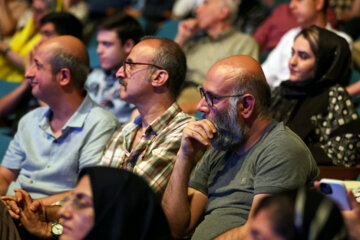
(184, 206)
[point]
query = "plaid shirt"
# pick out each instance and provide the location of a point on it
(154, 156)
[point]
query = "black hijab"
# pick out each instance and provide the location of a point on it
(295, 102)
(125, 206)
(332, 66)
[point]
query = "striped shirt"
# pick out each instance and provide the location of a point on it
(154, 156)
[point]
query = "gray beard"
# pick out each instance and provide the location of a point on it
(229, 131)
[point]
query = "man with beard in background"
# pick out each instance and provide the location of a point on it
(251, 156)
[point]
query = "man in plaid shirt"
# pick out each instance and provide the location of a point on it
(151, 79)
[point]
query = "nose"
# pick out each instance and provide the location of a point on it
(293, 60)
(29, 72)
(65, 211)
(292, 5)
(121, 73)
(99, 49)
(202, 106)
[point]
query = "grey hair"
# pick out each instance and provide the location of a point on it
(233, 6)
(257, 86)
(78, 70)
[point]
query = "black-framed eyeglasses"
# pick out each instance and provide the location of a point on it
(209, 97)
(129, 64)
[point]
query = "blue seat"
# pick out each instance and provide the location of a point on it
(168, 29)
(6, 87)
(91, 47)
(4, 143)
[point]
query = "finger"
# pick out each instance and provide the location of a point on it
(197, 134)
(24, 194)
(352, 199)
(5, 198)
(202, 130)
(209, 126)
(14, 215)
(36, 205)
(12, 205)
(18, 195)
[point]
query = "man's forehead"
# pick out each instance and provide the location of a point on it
(221, 77)
(104, 33)
(144, 49)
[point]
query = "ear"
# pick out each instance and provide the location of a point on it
(159, 78)
(64, 76)
(128, 45)
(247, 106)
(224, 12)
(319, 5)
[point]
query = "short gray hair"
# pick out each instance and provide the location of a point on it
(256, 85)
(78, 69)
(233, 6)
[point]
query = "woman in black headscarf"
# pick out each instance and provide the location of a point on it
(314, 103)
(113, 204)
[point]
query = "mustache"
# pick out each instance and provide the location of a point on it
(122, 82)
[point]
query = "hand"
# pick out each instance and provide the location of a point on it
(186, 30)
(12, 205)
(32, 217)
(352, 217)
(196, 138)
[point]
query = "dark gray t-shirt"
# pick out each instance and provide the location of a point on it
(279, 160)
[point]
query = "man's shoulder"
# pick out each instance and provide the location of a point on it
(101, 114)
(35, 115)
(281, 138)
(96, 114)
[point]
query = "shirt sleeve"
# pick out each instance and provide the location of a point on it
(15, 153)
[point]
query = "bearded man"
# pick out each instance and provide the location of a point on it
(250, 156)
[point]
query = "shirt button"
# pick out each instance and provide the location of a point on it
(31, 181)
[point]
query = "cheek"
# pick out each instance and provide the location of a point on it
(84, 223)
(308, 70)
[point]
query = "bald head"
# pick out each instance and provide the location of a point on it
(68, 52)
(68, 45)
(239, 65)
(243, 74)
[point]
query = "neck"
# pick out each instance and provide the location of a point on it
(319, 21)
(256, 130)
(215, 30)
(151, 110)
(63, 109)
